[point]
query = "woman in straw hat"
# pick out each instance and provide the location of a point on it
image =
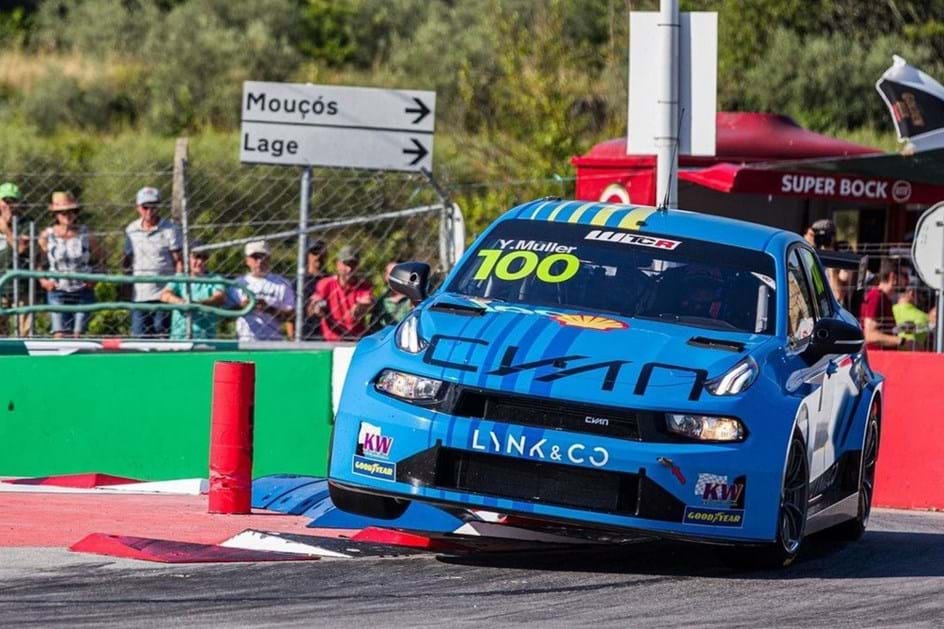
(69, 248)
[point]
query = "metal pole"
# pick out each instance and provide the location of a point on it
(302, 251)
(32, 281)
(939, 337)
(666, 155)
(16, 267)
(185, 234)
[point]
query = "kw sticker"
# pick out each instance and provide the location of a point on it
(371, 441)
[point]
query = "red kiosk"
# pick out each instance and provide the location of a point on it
(767, 169)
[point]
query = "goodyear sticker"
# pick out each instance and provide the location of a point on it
(713, 517)
(384, 470)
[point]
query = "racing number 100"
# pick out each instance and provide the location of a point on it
(500, 263)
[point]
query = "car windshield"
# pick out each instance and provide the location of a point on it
(582, 267)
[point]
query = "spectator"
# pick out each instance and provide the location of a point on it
(203, 324)
(152, 247)
(69, 248)
(315, 271)
(913, 323)
(10, 198)
(822, 236)
(876, 312)
(275, 299)
(391, 307)
(343, 300)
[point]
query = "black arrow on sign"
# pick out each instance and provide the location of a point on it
(420, 151)
(422, 110)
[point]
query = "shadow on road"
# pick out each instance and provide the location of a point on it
(880, 554)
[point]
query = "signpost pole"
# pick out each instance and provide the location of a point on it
(303, 205)
(667, 156)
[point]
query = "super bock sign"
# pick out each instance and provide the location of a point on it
(326, 125)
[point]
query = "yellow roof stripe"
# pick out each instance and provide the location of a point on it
(575, 217)
(534, 214)
(556, 211)
(603, 215)
(634, 218)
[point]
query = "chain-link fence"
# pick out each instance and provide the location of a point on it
(913, 313)
(219, 215)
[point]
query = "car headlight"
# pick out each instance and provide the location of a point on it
(705, 427)
(736, 380)
(408, 387)
(408, 337)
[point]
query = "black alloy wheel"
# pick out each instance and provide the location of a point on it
(791, 517)
(851, 530)
(794, 500)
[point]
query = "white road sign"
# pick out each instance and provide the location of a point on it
(927, 250)
(328, 125)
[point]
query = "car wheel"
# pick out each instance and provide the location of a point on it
(791, 517)
(852, 530)
(367, 505)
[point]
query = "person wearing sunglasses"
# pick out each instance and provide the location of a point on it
(152, 247)
(203, 324)
(275, 299)
(69, 247)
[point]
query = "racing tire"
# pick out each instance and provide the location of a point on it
(791, 517)
(853, 530)
(367, 505)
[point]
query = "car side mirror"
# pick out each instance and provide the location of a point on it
(834, 336)
(410, 279)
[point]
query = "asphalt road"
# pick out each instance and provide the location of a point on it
(893, 577)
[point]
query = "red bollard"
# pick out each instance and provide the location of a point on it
(234, 385)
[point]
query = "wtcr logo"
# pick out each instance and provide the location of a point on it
(372, 442)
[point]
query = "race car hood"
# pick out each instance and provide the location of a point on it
(577, 355)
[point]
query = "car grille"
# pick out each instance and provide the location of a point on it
(528, 411)
(494, 475)
(562, 485)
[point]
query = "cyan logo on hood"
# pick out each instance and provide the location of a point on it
(561, 352)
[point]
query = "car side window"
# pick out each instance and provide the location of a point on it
(821, 288)
(800, 317)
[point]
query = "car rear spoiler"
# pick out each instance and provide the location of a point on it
(848, 261)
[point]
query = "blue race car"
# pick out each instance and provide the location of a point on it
(620, 368)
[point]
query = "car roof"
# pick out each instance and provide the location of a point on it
(646, 219)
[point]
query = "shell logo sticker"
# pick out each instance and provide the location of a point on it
(590, 322)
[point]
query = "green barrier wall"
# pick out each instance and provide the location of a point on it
(148, 415)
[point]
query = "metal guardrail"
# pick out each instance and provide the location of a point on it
(129, 305)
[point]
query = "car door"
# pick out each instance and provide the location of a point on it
(804, 377)
(838, 389)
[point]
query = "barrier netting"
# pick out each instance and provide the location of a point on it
(218, 209)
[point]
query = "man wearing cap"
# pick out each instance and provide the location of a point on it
(275, 299)
(315, 270)
(203, 324)
(152, 247)
(343, 300)
(10, 198)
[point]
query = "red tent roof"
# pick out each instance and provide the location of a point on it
(742, 137)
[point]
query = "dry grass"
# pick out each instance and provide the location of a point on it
(19, 70)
